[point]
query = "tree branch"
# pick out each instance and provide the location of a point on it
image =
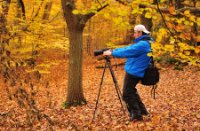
(38, 10)
(55, 16)
(126, 2)
(163, 10)
(163, 18)
(121, 2)
(70, 4)
(84, 18)
(99, 3)
(89, 15)
(193, 10)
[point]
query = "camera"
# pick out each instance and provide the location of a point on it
(100, 52)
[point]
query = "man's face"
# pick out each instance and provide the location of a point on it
(137, 34)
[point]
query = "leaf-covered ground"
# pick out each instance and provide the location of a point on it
(176, 106)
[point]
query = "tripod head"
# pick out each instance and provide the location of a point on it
(107, 58)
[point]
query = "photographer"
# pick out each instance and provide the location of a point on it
(136, 63)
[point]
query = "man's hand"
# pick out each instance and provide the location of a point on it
(107, 52)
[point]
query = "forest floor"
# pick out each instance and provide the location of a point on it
(176, 107)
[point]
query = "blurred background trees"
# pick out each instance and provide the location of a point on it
(81, 26)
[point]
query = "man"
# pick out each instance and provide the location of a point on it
(136, 63)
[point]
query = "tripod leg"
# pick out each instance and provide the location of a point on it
(119, 94)
(97, 101)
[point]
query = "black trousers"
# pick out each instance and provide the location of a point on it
(131, 96)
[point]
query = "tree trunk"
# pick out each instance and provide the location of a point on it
(147, 22)
(130, 32)
(75, 24)
(89, 38)
(75, 91)
(179, 4)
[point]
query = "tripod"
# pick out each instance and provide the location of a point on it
(119, 94)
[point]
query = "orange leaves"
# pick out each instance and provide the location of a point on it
(180, 28)
(172, 110)
(156, 119)
(186, 36)
(172, 10)
(198, 38)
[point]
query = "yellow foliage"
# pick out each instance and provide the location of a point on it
(185, 46)
(157, 49)
(148, 15)
(198, 38)
(186, 22)
(107, 15)
(135, 10)
(40, 71)
(162, 33)
(163, 1)
(112, 21)
(187, 12)
(75, 12)
(197, 50)
(192, 18)
(169, 48)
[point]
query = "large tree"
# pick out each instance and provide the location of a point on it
(75, 24)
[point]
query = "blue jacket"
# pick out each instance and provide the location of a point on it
(136, 54)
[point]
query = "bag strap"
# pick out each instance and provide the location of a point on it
(153, 91)
(151, 60)
(148, 39)
(154, 87)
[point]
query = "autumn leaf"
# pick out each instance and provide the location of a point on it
(187, 12)
(35, 56)
(172, 10)
(148, 15)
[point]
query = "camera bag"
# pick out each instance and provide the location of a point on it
(151, 75)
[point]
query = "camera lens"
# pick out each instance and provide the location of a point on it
(100, 52)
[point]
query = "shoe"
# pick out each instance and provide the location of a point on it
(134, 116)
(144, 112)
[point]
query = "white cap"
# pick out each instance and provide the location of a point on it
(141, 28)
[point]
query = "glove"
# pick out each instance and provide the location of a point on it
(107, 52)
